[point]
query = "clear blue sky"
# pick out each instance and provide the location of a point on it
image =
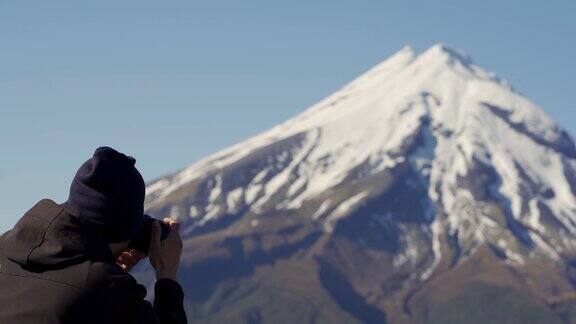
(172, 81)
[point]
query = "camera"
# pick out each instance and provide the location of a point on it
(141, 240)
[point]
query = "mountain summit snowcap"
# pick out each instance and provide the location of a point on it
(435, 122)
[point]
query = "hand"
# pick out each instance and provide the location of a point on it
(165, 254)
(128, 259)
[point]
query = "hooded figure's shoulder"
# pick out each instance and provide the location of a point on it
(50, 243)
(52, 251)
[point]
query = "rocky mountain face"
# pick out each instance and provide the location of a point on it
(425, 191)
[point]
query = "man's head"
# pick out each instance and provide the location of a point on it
(108, 193)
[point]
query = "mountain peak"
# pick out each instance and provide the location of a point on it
(436, 114)
(446, 52)
(406, 51)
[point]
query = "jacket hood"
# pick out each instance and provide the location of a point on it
(108, 192)
(48, 237)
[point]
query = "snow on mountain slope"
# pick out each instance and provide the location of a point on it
(494, 167)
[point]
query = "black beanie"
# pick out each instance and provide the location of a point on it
(108, 193)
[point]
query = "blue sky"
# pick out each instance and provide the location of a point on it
(172, 81)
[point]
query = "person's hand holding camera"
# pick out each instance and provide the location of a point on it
(128, 259)
(165, 254)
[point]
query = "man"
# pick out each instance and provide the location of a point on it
(69, 263)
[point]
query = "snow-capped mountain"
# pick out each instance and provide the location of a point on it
(415, 169)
